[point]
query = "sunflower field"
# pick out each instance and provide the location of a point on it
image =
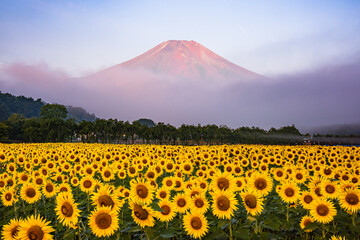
(100, 191)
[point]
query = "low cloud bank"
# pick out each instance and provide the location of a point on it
(329, 95)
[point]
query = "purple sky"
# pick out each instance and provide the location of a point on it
(310, 50)
(268, 37)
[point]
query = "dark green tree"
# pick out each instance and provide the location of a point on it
(50, 111)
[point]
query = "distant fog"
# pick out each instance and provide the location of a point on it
(326, 96)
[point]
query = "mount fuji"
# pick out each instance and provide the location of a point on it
(178, 60)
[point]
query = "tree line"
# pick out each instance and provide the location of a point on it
(53, 126)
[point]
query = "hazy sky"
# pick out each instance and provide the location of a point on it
(268, 37)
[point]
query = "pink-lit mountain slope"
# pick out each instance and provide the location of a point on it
(180, 60)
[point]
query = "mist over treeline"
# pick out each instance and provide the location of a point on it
(53, 126)
(320, 97)
(28, 107)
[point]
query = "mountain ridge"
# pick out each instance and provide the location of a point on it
(181, 59)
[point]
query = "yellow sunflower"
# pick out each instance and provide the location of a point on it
(289, 192)
(350, 200)
(224, 204)
(299, 175)
(104, 198)
(329, 189)
(168, 212)
(168, 182)
(305, 220)
(223, 181)
(66, 209)
(163, 193)
(142, 215)
(87, 184)
(181, 202)
(335, 237)
(240, 184)
(195, 224)
(10, 231)
(30, 193)
(261, 183)
(64, 187)
(141, 192)
(199, 203)
(8, 197)
(49, 189)
(322, 211)
(306, 198)
(35, 228)
(253, 202)
(103, 222)
(107, 174)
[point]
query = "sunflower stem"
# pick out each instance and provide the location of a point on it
(15, 210)
(88, 203)
(79, 229)
(231, 237)
(323, 231)
(287, 213)
(353, 219)
(147, 235)
(180, 220)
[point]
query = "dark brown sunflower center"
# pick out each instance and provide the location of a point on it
(132, 170)
(151, 175)
(279, 173)
(87, 184)
(317, 192)
(187, 167)
(308, 199)
(142, 191)
(181, 202)
(223, 183)
(307, 221)
(199, 203)
(322, 210)
(169, 166)
(223, 203)
(163, 194)
(239, 183)
(330, 189)
(194, 193)
(352, 199)
(30, 192)
(14, 231)
(237, 170)
(105, 200)
(35, 233)
(140, 212)
(63, 189)
(169, 183)
(166, 209)
(39, 181)
(24, 177)
(260, 183)
(107, 174)
(289, 192)
(8, 196)
(67, 209)
(49, 188)
(327, 171)
(251, 201)
(299, 176)
(196, 223)
(103, 220)
(89, 171)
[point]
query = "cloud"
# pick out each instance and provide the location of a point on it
(328, 95)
